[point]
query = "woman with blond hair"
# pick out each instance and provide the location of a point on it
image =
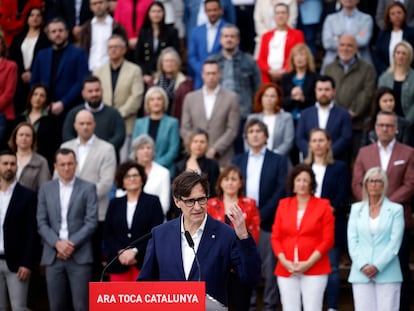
(332, 183)
(298, 84)
(375, 233)
(162, 128)
(400, 78)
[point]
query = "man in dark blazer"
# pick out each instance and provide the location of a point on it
(326, 114)
(62, 68)
(67, 216)
(399, 166)
(74, 16)
(219, 247)
(264, 173)
(18, 235)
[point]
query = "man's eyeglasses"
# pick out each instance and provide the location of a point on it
(191, 202)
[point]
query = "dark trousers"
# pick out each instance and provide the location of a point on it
(245, 23)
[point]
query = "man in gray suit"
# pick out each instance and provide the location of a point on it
(96, 164)
(215, 110)
(67, 216)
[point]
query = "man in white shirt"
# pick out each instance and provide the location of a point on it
(67, 217)
(18, 237)
(96, 32)
(214, 110)
(96, 164)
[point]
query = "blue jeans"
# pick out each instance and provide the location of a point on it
(334, 279)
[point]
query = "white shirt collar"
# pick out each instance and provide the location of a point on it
(330, 106)
(200, 229)
(389, 147)
(88, 143)
(107, 21)
(215, 92)
(11, 187)
(69, 184)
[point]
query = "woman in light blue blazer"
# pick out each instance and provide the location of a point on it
(375, 231)
(163, 129)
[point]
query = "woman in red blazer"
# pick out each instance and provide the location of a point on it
(302, 235)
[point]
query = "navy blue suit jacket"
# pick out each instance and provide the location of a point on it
(72, 70)
(272, 184)
(382, 48)
(20, 229)
(339, 127)
(219, 251)
(116, 234)
(336, 188)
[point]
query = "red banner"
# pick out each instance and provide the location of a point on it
(148, 296)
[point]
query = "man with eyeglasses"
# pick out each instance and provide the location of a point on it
(219, 248)
(397, 160)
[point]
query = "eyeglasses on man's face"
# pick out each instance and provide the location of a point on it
(191, 202)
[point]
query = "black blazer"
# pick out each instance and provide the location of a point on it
(116, 234)
(20, 229)
(145, 55)
(22, 89)
(382, 54)
(66, 10)
(308, 90)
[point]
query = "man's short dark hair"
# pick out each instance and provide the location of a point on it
(8, 152)
(184, 183)
(325, 78)
(208, 1)
(254, 121)
(388, 113)
(56, 20)
(90, 79)
(64, 151)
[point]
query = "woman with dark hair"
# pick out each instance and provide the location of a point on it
(127, 219)
(23, 51)
(395, 30)
(267, 106)
(154, 36)
(196, 147)
(302, 235)
(229, 190)
(384, 100)
(32, 168)
(48, 135)
(332, 183)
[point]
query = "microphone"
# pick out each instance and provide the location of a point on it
(145, 237)
(191, 244)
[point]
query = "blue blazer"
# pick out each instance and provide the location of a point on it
(336, 188)
(382, 48)
(197, 51)
(219, 252)
(19, 229)
(72, 70)
(339, 127)
(167, 143)
(117, 235)
(380, 250)
(272, 184)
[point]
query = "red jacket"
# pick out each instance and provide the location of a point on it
(316, 232)
(8, 80)
(293, 37)
(9, 21)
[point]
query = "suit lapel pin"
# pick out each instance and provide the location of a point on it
(213, 236)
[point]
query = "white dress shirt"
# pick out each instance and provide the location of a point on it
(100, 33)
(253, 172)
(5, 197)
(323, 114)
(83, 151)
(209, 101)
(212, 30)
(385, 154)
(65, 192)
(131, 207)
(187, 252)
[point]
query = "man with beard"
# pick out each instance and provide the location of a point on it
(61, 68)
(239, 73)
(110, 125)
(18, 234)
(326, 114)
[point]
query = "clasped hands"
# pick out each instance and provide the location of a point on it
(370, 271)
(65, 249)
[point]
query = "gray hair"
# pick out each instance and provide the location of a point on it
(141, 140)
(371, 172)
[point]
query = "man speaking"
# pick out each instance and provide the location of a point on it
(197, 247)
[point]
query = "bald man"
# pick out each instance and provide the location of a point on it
(355, 84)
(96, 164)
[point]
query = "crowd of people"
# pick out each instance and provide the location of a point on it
(290, 121)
